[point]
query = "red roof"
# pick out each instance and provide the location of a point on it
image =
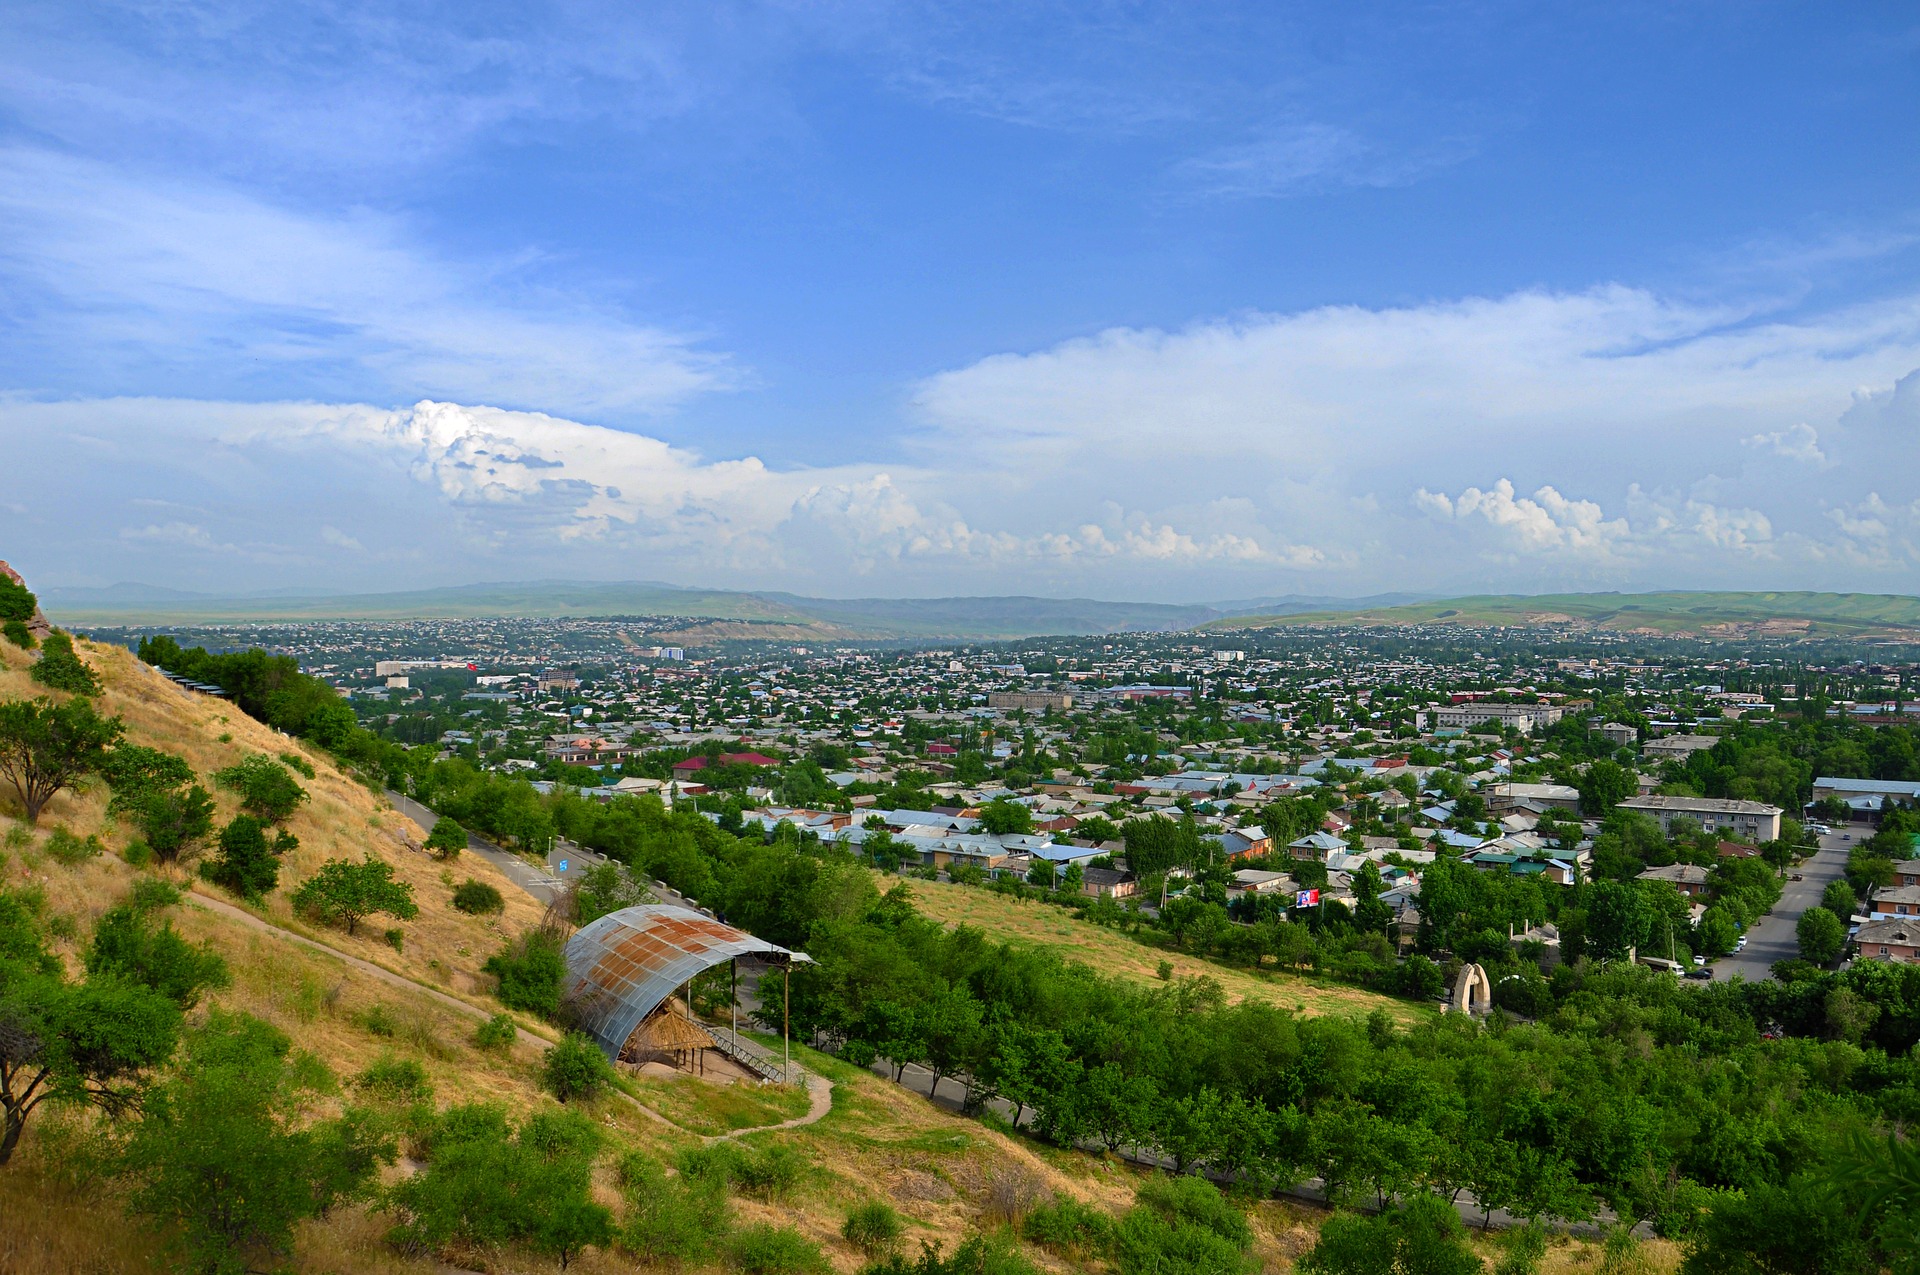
(942, 750)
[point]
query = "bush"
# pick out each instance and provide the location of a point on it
(18, 634)
(447, 839)
(531, 970)
(477, 898)
(395, 939)
(769, 1172)
(977, 1255)
(498, 1032)
(1069, 1229)
(138, 854)
(297, 764)
(873, 1228)
(62, 670)
(774, 1250)
(67, 849)
(576, 1069)
(671, 1219)
(150, 894)
(394, 1080)
(1182, 1225)
(246, 864)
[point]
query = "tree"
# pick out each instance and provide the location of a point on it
(345, 893)
(447, 839)
(531, 970)
(268, 791)
(45, 747)
(1839, 899)
(60, 669)
(1002, 816)
(224, 1154)
(1718, 930)
(155, 790)
(1617, 917)
(127, 945)
(575, 1068)
(1605, 784)
(248, 864)
(90, 1043)
(1821, 935)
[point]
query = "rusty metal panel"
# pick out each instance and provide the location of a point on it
(622, 966)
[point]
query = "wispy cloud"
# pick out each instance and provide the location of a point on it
(145, 275)
(1312, 158)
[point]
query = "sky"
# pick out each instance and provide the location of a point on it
(1169, 302)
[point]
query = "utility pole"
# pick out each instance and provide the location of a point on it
(786, 1021)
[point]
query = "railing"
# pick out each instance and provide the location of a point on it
(748, 1054)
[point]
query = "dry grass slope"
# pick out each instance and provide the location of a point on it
(1027, 923)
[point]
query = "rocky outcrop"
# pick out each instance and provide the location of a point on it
(38, 625)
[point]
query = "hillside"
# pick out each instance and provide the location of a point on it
(1702, 614)
(1030, 924)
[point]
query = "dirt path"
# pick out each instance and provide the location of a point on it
(819, 1088)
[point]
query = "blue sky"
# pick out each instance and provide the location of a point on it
(1159, 301)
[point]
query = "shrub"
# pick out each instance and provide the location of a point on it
(380, 1021)
(298, 764)
(531, 970)
(395, 939)
(477, 898)
(150, 894)
(18, 634)
(576, 1069)
(873, 1228)
(67, 849)
(977, 1255)
(1069, 1228)
(138, 854)
(671, 1219)
(62, 670)
(498, 1032)
(394, 1080)
(769, 1172)
(774, 1250)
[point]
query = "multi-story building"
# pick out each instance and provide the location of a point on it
(1754, 820)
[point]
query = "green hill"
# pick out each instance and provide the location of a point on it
(1706, 614)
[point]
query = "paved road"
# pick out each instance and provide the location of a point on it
(532, 880)
(1773, 938)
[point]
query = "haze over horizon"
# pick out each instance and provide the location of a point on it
(862, 300)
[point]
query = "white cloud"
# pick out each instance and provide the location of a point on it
(174, 276)
(340, 539)
(1801, 443)
(1546, 521)
(1309, 158)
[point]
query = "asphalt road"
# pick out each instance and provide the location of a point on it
(1772, 938)
(523, 874)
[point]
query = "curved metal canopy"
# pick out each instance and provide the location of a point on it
(623, 966)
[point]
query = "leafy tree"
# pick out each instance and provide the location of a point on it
(267, 789)
(127, 945)
(1839, 899)
(155, 791)
(45, 747)
(681, 1219)
(60, 669)
(248, 864)
(604, 888)
(447, 839)
(531, 970)
(1617, 917)
(1002, 816)
(1718, 931)
(1821, 935)
(575, 1068)
(486, 1183)
(1605, 784)
(346, 893)
(225, 1157)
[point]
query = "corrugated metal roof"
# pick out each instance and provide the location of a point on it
(622, 966)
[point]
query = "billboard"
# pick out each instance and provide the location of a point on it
(1306, 899)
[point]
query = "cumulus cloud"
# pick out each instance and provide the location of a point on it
(1801, 443)
(1544, 522)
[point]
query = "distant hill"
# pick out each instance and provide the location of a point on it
(1705, 614)
(785, 616)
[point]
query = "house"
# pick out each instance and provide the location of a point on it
(1754, 820)
(1245, 843)
(1676, 747)
(1108, 883)
(1907, 873)
(1316, 846)
(1532, 797)
(1252, 881)
(559, 679)
(1895, 900)
(1618, 734)
(1735, 850)
(691, 764)
(1867, 798)
(1689, 879)
(1896, 940)
(1525, 718)
(1029, 701)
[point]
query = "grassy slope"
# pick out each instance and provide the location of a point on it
(1681, 612)
(943, 1172)
(1029, 923)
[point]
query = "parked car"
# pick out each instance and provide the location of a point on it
(1699, 960)
(1702, 974)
